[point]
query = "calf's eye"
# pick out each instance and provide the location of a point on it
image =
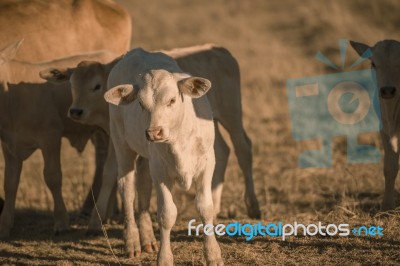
(97, 87)
(373, 64)
(172, 101)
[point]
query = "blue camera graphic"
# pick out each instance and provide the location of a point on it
(340, 104)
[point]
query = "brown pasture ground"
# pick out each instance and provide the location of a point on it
(273, 41)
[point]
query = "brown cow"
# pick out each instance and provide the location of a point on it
(55, 29)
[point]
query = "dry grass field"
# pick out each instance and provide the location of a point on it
(273, 41)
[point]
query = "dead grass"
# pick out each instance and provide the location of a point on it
(273, 41)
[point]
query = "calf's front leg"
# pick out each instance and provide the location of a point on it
(126, 188)
(166, 213)
(144, 187)
(390, 170)
(204, 206)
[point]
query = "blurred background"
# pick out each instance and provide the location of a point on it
(273, 41)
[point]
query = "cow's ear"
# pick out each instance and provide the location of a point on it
(194, 87)
(9, 52)
(360, 48)
(120, 95)
(56, 75)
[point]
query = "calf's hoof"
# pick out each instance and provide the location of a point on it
(134, 254)
(218, 262)
(93, 232)
(165, 259)
(85, 214)
(253, 208)
(61, 232)
(388, 206)
(4, 234)
(150, 248)
(388, 201)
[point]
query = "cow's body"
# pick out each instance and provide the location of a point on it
(55, 29)
(179, 142)
(384, 60)
(33, 116)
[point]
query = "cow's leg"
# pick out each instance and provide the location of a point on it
(390, 170)
(242, 145)
(204, 206)
(144, 186)
(12, 175)
(166, 213)
(106, 195)
(221, 157)
(51, 148)
(100, 142)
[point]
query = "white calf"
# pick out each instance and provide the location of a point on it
(161, 116)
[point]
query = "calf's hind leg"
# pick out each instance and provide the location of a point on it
(100, 142)
(105, 200)
(242, 145)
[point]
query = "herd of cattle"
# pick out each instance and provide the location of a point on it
(151, 116)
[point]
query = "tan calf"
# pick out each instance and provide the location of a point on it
(33, 115)
(55, 29)
(385, 62)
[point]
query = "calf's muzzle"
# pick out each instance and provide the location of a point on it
(75, 113)
(155, 134)
(387, 92)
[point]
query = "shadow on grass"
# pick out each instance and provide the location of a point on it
(37, 225)
(52, 260)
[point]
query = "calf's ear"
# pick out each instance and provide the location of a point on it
(360, 48)
(56, 75)
(194, 87)
(9, 52)
(120, 95)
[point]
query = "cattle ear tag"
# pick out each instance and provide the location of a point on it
(120, 95)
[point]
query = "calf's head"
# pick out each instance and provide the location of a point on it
(385, 61)
(88, 83)
(163, 98)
